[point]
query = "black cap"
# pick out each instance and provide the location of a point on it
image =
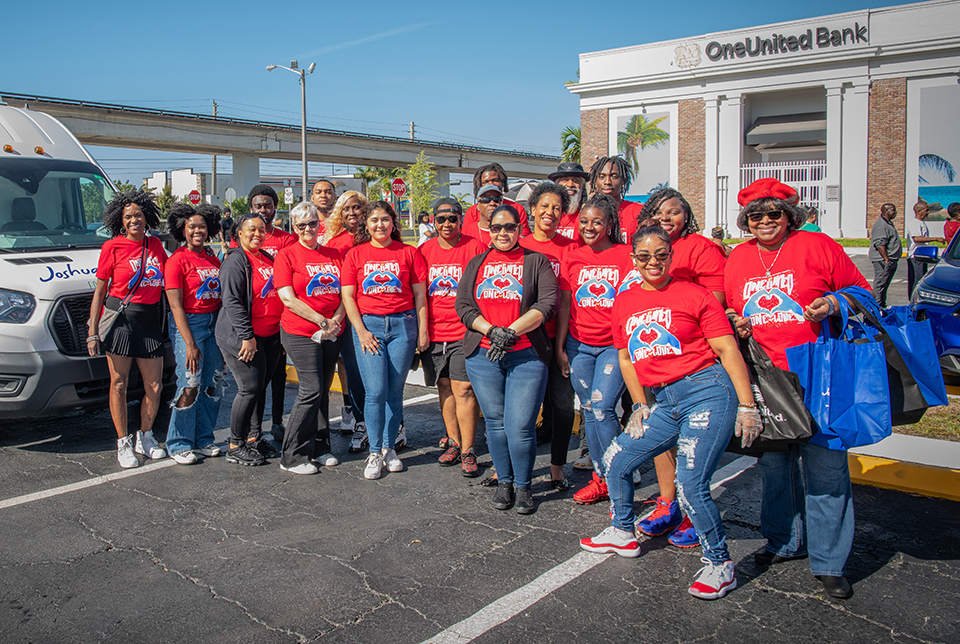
(447, 201)
(569, 169)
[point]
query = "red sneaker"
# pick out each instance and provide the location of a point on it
(592, 492)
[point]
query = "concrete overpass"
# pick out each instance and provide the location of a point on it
(248, 141)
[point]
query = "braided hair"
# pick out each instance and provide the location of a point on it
(495, 167)
(619, 164)
(650, 208)
(606, 205)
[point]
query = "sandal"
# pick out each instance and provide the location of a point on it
(560, 485)
(490, 481)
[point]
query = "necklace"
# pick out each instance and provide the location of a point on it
(760, 255)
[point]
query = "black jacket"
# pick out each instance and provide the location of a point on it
(235, 322)
(540, 292)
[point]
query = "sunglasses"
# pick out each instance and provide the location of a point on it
(645, 258)
(309, 224)
(497, 228)
(772, 215)
(490, 199)
(440, 219)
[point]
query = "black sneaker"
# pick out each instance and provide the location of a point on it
(277, 432)
(524, 504)
(264, 447)
(245, 455)
(503, 498)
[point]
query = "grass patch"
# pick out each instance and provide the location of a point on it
(939, 422)
(849, 242)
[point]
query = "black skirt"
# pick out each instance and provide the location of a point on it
(136, 333)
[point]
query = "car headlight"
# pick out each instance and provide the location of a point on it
(16, 307)
(929, 295)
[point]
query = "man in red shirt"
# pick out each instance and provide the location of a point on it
(491, 175)
(571, 177)
(323, 196)
(612, 176)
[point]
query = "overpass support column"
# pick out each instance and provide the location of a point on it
(443, 178)
(246, 173)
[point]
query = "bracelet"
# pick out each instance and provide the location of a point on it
(743, 407)
(832, 309)
(93, 337)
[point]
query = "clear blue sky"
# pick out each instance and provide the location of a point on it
(461, 71)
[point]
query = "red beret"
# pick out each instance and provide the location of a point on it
(768, 188)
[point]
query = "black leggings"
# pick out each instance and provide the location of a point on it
(278, 387)
(308, 433)
(558, 413)
(251, 380)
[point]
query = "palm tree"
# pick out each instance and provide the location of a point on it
(937, 164)
(640, 133)
(570, 143)
(376, 180)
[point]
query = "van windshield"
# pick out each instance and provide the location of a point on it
(47, 203)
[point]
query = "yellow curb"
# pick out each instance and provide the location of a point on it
(928, 480)
(292, 378)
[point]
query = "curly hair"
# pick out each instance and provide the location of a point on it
(263, 189)
(606, 205)
(333, 225)
(180, 213)
(113, 213)
(478, 175)
(362, 235)
(796, 216)
(657, 199)
(548, 187)
(619, 164)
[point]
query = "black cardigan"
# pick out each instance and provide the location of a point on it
(540, 292)
(235, 322)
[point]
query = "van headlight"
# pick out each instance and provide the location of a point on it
(16, 307)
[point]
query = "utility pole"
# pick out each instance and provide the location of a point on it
(214, 160)
(411, 130)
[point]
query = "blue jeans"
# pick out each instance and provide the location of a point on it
(814, 519)
(510, 392)
(192, 427)
(595, 374)
(384, 374)
(696, 414)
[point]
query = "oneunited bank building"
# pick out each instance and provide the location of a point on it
(853, 110)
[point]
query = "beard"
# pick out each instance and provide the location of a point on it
(575, 199)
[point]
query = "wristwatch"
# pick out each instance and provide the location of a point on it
(324, 324)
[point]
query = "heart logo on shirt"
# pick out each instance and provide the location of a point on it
(649, 336)
(597, 289)
(326, 280)
(768, 302)
(501, 282)
(381, 278)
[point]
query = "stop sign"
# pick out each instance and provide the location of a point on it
(194, 197)
(399, 187)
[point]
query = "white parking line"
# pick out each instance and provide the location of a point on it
(149, 467)
(519, 600)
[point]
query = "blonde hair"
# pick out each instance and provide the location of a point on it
(303, 210)
(333, 225)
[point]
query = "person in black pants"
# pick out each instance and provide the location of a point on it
(248, 333)
(278, 386)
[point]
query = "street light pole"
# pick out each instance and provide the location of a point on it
(302, 73)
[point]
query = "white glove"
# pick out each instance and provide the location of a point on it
(636, 426)
(748, 425)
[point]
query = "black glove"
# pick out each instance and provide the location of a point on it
(501, 339)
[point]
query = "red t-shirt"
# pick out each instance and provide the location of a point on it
(499, 289)
(315, 278)
(266, 308)
(593, 279)
(341, 242)
(445, 268)
(809, 265)
(471, 220)
(569, 226)
(555, 249)
(666, 330)
(198, 276)
(629, 211)
(273, 242)
(697, 259)
(384, 277)
(950, 229)
(120, 262)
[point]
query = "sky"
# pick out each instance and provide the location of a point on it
(461, 71)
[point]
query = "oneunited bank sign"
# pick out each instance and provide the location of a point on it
(777, 44)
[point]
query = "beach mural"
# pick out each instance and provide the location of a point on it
(939, 162)
(644, 141)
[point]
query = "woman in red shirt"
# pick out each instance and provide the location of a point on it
(192, 275)
(307, 277)
(130, 271)
(385, 296)
(248, 333)
(589, 280)
(669, 334)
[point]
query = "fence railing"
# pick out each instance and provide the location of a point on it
(808, 178)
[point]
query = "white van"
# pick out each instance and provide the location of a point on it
(52, 197)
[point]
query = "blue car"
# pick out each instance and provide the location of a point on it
(937, 298)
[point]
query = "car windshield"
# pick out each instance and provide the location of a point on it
(47, 203)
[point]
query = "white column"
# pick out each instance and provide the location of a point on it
(443, 178)
(730, 153)
(830, 216)
(711, 137)
(853, 169)
(246, 173)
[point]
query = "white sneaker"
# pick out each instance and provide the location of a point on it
(394, 464)
(347, 422)
(714, 580)
(148, 446)
(185, 458)
(583, 463)
(613, 540)
(303, 468)
(125, 452)
(327, 460)
(374, 466)
(401, 441)
(210, 450)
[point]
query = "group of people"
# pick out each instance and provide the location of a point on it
(603, 300)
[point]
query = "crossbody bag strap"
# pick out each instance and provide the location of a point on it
(140, 273)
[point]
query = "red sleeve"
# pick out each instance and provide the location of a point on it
(158, 249)
(564, 277)
(173, 273)
(843, 271)
(713, 320)
(419, 271)
(106, 262)
(710, 267)
(283, 269)
(348, 276)
(619, 339)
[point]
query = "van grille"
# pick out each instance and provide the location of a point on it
(68, 322)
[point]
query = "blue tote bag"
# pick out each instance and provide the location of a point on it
(845, 388)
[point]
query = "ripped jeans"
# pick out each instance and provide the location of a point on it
(598, 383)
(697, 414)
(192, 427)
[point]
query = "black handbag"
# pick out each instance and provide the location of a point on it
(779, 397)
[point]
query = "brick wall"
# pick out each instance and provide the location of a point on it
(887, 149)
(691, 148)
(594, 136)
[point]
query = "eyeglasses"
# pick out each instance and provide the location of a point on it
(490, 199)
(440, 219)
(497, 228)
(772, 215)
(308, 224)
(645, 258)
